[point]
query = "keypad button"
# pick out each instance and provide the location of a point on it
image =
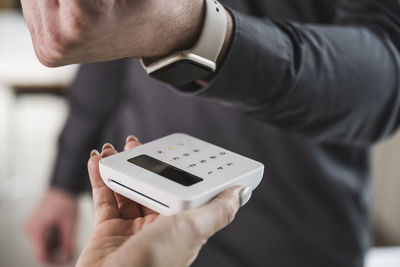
(220, 168)
(210, 172)
(192, 165)
(180, 144)
(213, 157)
(160, 152)
(222, 153)
(196, 150)
(186, 154)
(230, 164)
(176, 158)
(203, 161)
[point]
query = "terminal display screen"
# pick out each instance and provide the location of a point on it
(165, 170)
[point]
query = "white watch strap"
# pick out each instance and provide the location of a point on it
(213, 33)
(208, 45)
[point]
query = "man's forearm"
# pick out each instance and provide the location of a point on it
(77, 31)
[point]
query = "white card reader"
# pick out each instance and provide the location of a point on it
(177, 172)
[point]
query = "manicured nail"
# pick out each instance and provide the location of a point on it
(107, 145)
(131, 138)
(94, 153)
(244, 196)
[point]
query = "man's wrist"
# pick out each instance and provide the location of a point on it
(189, 33)
(209, 43)
(182, 36)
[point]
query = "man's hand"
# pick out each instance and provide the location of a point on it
(52, 227)
(81, 31)
(128, 234)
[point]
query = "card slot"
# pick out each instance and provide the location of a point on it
(141, 194)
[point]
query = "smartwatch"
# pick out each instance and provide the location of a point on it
(186, 66)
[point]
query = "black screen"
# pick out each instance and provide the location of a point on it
(170, 172)
(181, 72)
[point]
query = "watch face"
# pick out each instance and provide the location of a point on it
(181, 72)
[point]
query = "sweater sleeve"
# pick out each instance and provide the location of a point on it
(93, 95)
(336, 82)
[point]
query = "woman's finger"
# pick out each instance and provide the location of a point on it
(215, 215)
(147, 211)
(105, 204)
(128, 209)
(187, 231)
(131, 142)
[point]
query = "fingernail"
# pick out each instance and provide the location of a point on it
(94, 153)
(107, 145)
(244, 196)
(131, 138)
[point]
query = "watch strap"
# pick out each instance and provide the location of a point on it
(207, 47)
(213, 34)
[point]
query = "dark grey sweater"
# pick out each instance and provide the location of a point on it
(306, 88)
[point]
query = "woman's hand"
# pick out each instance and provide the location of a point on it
(128, 234)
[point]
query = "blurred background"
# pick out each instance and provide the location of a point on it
(33, 109)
